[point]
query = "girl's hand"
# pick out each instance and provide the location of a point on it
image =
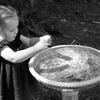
(46, 38)
(42, 45)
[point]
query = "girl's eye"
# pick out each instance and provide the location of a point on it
(11, 30)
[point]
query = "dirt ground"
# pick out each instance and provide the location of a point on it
(73, 22)
(42, 92)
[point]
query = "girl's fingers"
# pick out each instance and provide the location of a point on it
(45, 38)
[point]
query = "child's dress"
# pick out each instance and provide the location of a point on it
(14, 84)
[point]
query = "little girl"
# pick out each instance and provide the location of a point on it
(12, 80)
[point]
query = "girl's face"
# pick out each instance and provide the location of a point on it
(12, 30)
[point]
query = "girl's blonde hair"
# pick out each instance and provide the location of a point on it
(6, 14)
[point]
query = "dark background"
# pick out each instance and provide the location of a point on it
(68, 22)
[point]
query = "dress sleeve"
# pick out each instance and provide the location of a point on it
(16, 43)
(2, 44)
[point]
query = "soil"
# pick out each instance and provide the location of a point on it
(69, 22)
(74, 22)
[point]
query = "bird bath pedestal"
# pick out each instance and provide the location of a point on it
(69, 94)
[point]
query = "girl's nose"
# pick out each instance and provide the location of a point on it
(16, 30)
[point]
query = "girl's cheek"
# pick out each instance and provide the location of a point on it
(1, 38)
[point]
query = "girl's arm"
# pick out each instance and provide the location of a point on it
(25, 40)
(22, 55)
(32, 41)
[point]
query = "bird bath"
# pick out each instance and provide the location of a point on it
(67, 68)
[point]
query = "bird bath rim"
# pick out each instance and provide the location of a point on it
(62, 85)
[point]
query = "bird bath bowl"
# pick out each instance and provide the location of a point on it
(68, 68)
